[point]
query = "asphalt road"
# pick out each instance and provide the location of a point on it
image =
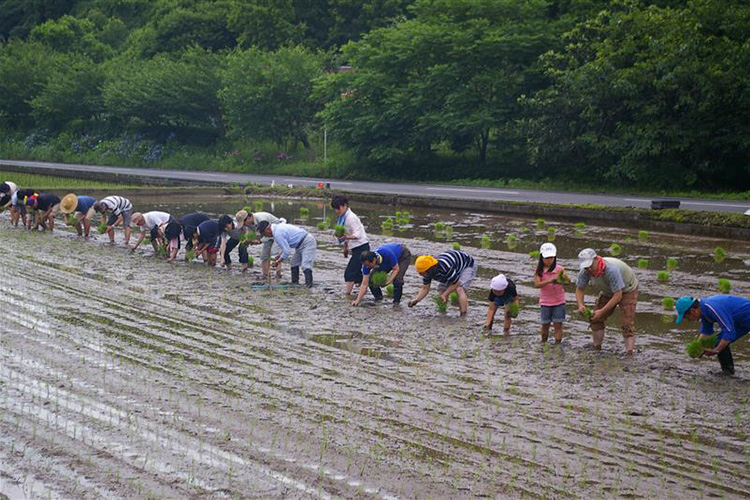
(428, 190)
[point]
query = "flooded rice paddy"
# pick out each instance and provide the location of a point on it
(123, 376)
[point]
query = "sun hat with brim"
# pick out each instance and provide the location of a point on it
(586, 257)
(69, 203)
(241, 216)
(683, 305)
(548, 250)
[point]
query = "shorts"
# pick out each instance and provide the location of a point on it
(553, 314)
(125, 218)
(465, 279)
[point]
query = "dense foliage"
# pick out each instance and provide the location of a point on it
(626, 93)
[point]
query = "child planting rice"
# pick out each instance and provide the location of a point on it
(549, 278)
(502, 294)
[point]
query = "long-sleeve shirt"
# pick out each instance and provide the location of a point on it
(353, 228)
(116, 204)
(450, 266)
(287, 237)
(730, 312)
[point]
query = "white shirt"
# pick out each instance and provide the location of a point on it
(154, 219)
(353, 227)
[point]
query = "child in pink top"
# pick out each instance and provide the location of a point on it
(551, 294)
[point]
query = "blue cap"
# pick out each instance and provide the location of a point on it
(682, 306)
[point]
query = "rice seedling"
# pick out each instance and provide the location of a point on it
(304, 212)
(324, 224)
(454, 298)
(514, 309)
(102, 228)
(250, 260)
(456, 246)
(71, 220)
(695, 347)
(540, 223)
(248, 209)
(671, 264)
(339, 231)
(248, 237)
(642, 235)
(448, 231)
(580, 226)
(510, 238)
(189, 255)
(667, 303)
(440, 226)
(387, 223)
(719, 255)
(551, 234)
(161, 251)
(615, 249)
(662, 276)
(725, 286)
(534, 254)
(389, 290)
(485, 241)
(379, 278)
(442, 306)
(588, 313)
(562, 277)
(642, 263)
(258, 204)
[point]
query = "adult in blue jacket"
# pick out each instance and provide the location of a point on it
(730, 312)
(392, 258)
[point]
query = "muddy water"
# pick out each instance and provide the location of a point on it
(123, 376)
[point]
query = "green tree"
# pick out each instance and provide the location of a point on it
(266, 95)
(71, 34)
(267, 24)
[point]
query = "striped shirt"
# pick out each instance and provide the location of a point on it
(450, 266)
(116, 204)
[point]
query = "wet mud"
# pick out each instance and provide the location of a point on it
(123, 376)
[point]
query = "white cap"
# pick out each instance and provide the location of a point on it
(548, 250)
(499, 283)
(586, 257)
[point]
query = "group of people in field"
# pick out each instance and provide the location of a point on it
(612, 281)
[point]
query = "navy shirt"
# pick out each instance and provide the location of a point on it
(85, 203)
(45, 201)
(190, 222)
(209, 232)
(730, 312)
(390, 254)
(508, 296)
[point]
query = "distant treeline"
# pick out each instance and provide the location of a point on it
(625, 92)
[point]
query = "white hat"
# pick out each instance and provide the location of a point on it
(586, 257)
(548, 250)
(499, 283)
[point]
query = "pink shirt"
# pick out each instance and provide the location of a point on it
(552, 294)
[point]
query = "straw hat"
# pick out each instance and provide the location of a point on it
(69, 203)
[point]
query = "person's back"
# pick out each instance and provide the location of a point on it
(730, 312)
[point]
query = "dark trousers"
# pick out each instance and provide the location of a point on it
(353, 271)
(726, 361)
(242, 250)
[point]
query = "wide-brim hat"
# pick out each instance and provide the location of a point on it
(69, 203)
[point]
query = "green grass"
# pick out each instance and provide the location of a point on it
(52, 183)
(643, 263)
(667, 303)
(339, 230)
(379, 278)
(662, 276)
(671, 264)
(725, 286)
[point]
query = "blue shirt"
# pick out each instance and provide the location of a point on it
(209, 232)
(389, 253)
(287, 237)
(84, 204)
(730, 312)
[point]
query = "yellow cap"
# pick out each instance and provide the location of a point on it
(69, 203)
(424, 262)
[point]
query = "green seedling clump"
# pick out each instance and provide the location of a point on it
(389, 290)
(510, 238)
(667, 303)
(258, 204)
(71, 220)
(379, 278)
(248, 209)
(580, 226)
(615, 249)
(562, 278)
(643, 235)
(324, 224)
(485, 241)
(304, 212)
(540, 223)
(720, 252)
(453, 298)
(247, 237)
(588, 313)
(514, 309)
(534, 254)
(725, 286)
(387, 223)
(250, 260)
(439, 226)
(643, 263)
(161, 251)
(339, 230)
(189, 255)
(448, 231)
(442, 306)
(456, 246)
(102, 228)
(695, 347)
(662, 276)
(671, 264)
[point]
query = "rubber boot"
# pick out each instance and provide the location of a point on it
(308, 278)
(398, 291)
(295, 275)
(376, 292)
(726, 361)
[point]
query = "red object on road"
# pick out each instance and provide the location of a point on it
(320, 185)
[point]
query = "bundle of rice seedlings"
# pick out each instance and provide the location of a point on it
(304, 212)
(389, 290)
(662, 276)
(454, 298)
(248, 209)
(339, 231)
(448, 231)
(485, 241)
(588, 313)
(71, 220)
(514, 309)
(250, 260)
(540, 223)
(643, 235)
(258, 204)
(725, 286)
(161, 251)
(719, 255)
(439, 226)
(324, 224)
(399, 214)
(615, 249)
(248, 236)
(456, 246)
(562, 278)
(551, 234)
(379, 278)
(534, 254)
(580, 226)
(147, 240)
(671, 264)
(510, 238)
(442, 306)
(387, 223)
(696, 346)
(667, 303)
(102, 228)
(643, 263)
(189, 255)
